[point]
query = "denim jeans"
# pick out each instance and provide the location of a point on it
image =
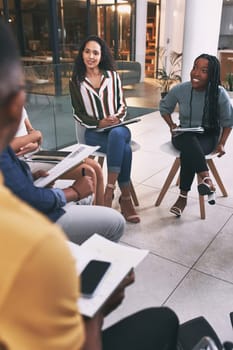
(116, 144)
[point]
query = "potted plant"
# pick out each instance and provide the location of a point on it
(167, 78)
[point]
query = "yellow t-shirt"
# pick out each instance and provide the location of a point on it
(39, 287)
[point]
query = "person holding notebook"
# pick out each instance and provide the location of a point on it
(98, 101)
(27, 140)
(202, 103)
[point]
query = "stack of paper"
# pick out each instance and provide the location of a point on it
(195, 129)
(122, 258)
(49, 156)
(73, 159)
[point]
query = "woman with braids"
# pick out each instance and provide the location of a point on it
(98, 101)
(203, 103)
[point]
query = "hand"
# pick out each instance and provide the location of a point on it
(37, 136)
(30, 147)
(84, 186)
(40, 173)
(220, 150)
(173, 126)
(108, 121)
(118, 295)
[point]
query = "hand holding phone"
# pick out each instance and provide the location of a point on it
(118, 295)
(92, 275)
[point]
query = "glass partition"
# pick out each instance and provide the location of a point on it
(49, 113)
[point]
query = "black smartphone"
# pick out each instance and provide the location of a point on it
(92, 275)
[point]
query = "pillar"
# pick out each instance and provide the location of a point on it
(141, 17)
(201, 31)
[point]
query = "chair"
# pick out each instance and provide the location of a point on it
(80, 132)
(205, 343)
(196, 334)
(169, 149)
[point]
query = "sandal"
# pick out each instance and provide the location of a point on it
(204, 188)
(178, 209)
(134, 217)
(211, 198)
(109, 198)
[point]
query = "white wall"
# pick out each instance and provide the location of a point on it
(141, 15)
(172, 24)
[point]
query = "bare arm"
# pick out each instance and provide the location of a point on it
(81, 188)
(93, 326)
(169, 121)
(220, 149)
(21, 144)
(93, 337)
(28, 125)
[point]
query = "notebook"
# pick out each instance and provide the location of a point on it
(79, 153)
(125, 122)
(194, 129)
(122, 258)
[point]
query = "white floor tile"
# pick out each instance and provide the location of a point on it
(156, 278)
(202, 295)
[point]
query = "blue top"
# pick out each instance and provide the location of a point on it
(18, 177)
(181, 94)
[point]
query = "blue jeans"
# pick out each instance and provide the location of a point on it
(116, 144)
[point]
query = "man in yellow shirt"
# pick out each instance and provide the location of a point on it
(39, 287)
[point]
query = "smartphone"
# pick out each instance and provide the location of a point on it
(92, 275)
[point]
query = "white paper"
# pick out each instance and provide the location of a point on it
(74, 158)
(122, 258)
(194, 129)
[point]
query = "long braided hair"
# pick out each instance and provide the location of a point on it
(210, 116)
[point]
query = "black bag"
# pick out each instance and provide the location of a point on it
(198, 334)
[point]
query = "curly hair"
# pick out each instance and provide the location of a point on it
(210, 114)
(106, 62)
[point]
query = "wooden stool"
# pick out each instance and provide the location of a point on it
(170, 149)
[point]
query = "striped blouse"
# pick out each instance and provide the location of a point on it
(91, 105)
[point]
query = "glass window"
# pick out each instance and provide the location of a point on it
(74, 19)
(114, 20)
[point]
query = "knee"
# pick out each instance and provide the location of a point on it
(121, 133)
(118, 225)
(89, 171)
(94, 165)
(171, 316)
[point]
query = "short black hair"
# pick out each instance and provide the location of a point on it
(10, 65)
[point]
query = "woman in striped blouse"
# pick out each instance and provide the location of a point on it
(98, 101)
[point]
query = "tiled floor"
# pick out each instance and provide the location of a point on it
(190, 261)
(190, 264)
